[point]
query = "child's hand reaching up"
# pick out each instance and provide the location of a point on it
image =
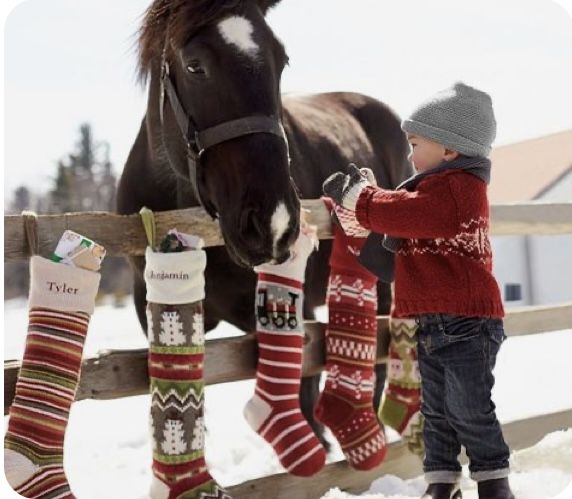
(344, 190)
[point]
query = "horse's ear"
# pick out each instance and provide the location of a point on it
(266, 5)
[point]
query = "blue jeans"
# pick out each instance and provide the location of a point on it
(456, 358)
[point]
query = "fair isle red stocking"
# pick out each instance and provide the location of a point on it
(175, 326)
(346, 404)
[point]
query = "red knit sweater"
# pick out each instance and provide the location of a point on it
(444, 264)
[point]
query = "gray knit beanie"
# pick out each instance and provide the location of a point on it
(461, 118)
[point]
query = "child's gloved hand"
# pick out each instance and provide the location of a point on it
(345, 188)
(344, 215)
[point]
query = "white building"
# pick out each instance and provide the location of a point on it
(533, 270)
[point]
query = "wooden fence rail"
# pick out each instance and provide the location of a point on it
(121, 373)
(124, 235)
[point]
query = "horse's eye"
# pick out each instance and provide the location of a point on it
(194, 67)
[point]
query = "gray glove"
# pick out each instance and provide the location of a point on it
(345, 188)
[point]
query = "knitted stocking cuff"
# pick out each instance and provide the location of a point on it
(62, 287)
(175, 278)
(295, 267)
(343, 259)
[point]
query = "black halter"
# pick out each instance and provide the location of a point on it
(199, 141)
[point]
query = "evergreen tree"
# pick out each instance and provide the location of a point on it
(62, 193)
(86, 157)
(84, 181)
(22, 199)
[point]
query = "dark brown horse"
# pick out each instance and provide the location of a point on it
(213, 135)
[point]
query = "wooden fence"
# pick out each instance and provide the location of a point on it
(113, 374)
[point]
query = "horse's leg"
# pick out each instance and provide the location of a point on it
(309, 393)
(383, 308)
(139, 290)
(315, 296)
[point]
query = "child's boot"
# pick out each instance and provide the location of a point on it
(498, 488)
(443, 491)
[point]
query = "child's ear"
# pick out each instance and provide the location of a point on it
(450, 155)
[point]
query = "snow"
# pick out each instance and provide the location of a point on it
(542, 471)
(108, 451)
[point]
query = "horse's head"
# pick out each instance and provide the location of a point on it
(223, 65)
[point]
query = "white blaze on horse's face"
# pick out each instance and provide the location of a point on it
(237, 31)
(279, 223)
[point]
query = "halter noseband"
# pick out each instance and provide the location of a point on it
(198, 142)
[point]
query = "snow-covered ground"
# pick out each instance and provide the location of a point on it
(539, 472)
(108, 451)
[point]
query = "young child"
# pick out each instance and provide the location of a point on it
(438, 223)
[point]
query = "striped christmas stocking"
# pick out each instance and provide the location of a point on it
(346, 404)
(274, 411)
(400, 405)
(61, 301)
(175, 288)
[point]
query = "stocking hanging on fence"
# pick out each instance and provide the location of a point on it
(175, 326)
(346, 404)
(61, 301)
(274, 411)
(400, 405)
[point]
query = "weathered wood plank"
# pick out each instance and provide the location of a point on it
(531, 218)
(532, 319)
(124, 235)
(400, 462)
(121, 373)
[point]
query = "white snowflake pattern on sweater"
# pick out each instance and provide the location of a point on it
(472, 241)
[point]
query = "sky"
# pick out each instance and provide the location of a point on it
(73, 61)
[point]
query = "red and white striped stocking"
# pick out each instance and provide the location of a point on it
(61, 302)
(274, 411)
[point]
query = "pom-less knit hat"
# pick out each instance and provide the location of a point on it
(461, 118)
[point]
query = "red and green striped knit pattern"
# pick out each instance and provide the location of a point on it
(274, 411)
(400, 406)
(346, 404)
(45, 390)
(176, 361)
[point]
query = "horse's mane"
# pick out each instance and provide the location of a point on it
(181, 19)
